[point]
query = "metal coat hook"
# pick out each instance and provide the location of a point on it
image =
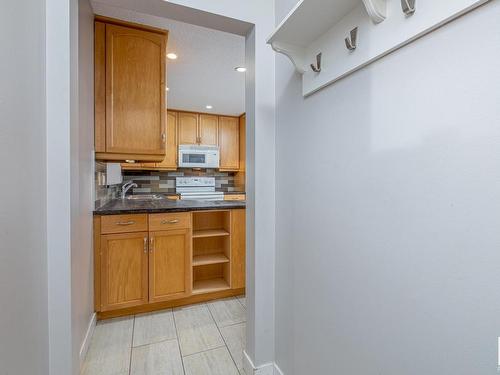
(317, 68)
(408, 7)
(352, 42)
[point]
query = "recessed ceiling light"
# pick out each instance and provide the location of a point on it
(208, 107)
(172, 56)
(240, 69)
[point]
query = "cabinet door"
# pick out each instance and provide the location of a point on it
(243, 127)
(238, 253)
(124, 270)
(188, 128)
(169, 264)
(229, 143)
(208, 130)
(135, 91)
(100, 87)
(170, 160)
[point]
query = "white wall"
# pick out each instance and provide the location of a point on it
(62, 118)
(23, 250)
(388, 201)
(82, 179)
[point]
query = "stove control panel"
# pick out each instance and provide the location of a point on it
(195, 182)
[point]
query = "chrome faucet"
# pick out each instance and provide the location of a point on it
(127, 186)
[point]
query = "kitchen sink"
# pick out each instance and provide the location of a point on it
(144, 197)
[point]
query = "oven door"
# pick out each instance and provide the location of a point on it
(192, 159)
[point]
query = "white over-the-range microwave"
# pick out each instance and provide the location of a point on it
(198, 156)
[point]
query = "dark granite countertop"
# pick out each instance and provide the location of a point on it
(119, 206)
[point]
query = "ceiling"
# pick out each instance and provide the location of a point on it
(203, 73)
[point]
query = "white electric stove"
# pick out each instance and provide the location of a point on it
(198, 188)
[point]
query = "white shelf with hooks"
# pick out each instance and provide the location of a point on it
(321, 27)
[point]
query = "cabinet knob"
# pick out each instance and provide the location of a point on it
(163, 137)
(145, 245)
(151, 244)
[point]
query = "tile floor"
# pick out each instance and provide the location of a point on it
(202, 339)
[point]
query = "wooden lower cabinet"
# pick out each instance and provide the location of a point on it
(124, 270)
(167, 259)
(169, 265)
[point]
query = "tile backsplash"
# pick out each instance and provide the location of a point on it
(103, 194)
(161, 182)
(164, 182)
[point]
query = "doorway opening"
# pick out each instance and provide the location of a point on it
(203, 322)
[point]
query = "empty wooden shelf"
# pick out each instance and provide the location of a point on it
(210, 233)
(209, 286)
(202, 260)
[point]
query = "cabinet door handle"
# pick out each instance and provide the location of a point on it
(126, 222)
(151, 244)
(145, 245)
(175, 221)
(163, 137)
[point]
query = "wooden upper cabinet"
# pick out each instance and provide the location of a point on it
(130, 64)
(187, 128)
(198, 128)
(229, 143)
(124, 270)
(135, 74)
(170, 161)
(100, 87)
(208, 130)
(243, 127)
(169, 265)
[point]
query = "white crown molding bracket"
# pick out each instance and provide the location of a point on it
(294, 53)
(377, 9)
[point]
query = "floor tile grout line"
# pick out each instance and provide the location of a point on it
(204, 351)
(224, 340)
(231, 324)
(154, 343)
(178, 343)
(241, 303)
(235, 324)
(163, 311)
(131, 347)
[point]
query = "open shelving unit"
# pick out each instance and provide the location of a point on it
(211, 251)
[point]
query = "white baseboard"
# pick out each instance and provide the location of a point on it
(277, 370)
(267, 369)
(88, 337)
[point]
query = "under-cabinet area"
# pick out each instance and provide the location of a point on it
(146, 262)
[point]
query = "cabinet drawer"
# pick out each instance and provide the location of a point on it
(159, 222)
(234, 197)
(124, 223)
